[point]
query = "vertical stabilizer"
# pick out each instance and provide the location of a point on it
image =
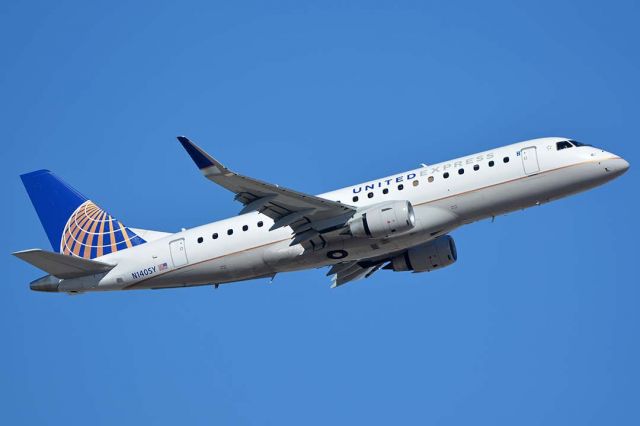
(75, 225)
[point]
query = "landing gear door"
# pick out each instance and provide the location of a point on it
(530, 160)
(178, 253)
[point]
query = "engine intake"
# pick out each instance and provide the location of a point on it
(426, 257)
(383, 220)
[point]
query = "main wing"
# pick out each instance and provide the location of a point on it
(308, 215)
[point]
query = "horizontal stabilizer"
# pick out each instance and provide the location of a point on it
(62, 265)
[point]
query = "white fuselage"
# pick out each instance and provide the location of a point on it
(444, 196)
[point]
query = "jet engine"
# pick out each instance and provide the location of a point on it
(426, 257)
(383, 220)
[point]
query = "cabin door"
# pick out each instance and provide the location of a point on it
(530, 160)
(178, 253)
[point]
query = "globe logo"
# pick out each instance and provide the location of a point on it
(91, 232)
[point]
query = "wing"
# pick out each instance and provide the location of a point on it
(342, 273)
(309, 216)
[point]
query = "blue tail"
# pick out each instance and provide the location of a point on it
(75, 225)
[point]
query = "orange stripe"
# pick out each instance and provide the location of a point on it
(100, 234)
(68, 233)
(77, 232)
(92, 236)
(125, 236)
(77, 244)
(73, 226)
(113, 243)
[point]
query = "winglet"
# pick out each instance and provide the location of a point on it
(199, 156)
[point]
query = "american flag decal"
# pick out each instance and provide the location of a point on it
(162, 266)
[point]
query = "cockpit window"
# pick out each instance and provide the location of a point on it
(576, 143)
(563, 145)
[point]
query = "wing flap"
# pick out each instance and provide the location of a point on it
(347, 272)
(62, 265)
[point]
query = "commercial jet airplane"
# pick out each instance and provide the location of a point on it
(400, 222)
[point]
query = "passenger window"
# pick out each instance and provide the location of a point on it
(229, 231)
(370, 195)
(400, 187)
(245, 227)
(445, 175)
(491, 163)
(430, 179)
(505, 159)
(355, 199)
(262, 223)
(460, 171)
(563, 145)
(416, 182)
(476, 167)
(385, 191)
(200, 239)
(215, 236)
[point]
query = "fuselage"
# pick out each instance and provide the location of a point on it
(444, 196)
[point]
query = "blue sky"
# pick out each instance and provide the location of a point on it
(538, 321)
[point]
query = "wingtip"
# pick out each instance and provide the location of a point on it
(19, 252)
(185, 142)
(198, 156)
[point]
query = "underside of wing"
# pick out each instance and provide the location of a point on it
(308, 215)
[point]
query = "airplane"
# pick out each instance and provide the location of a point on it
(399, 223)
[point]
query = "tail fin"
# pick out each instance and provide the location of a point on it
(75, 225)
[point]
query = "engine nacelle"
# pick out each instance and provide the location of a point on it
(426, 257)
(383, 220)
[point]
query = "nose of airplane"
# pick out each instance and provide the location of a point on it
(616, 165)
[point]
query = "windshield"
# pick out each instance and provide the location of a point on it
(576, 143)
(563, 145)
